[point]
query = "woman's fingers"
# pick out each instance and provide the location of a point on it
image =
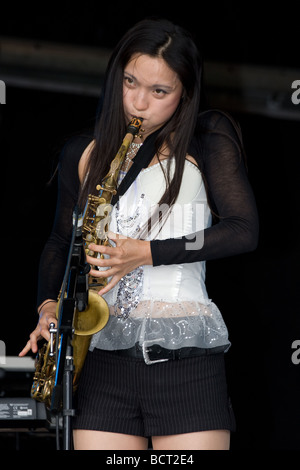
(112, 283)
(41, 331)
(26, 349)
(31, 343)
(127, 254)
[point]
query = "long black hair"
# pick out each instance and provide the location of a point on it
(156, 38)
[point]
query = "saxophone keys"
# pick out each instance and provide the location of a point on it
(107, 189)
(89, 238)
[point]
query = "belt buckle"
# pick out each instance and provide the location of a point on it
(147, 359)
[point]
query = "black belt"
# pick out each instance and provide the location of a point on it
(154, 353)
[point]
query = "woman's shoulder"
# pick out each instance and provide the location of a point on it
(215, 130)
(216, 127)
(217, 121)
(75, 152)
(82, 165)
(74, 148)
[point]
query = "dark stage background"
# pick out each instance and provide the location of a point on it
(258, 293)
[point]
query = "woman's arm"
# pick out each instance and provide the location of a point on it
(229, 191)
(55, 254)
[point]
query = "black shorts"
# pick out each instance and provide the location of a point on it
(124, 395)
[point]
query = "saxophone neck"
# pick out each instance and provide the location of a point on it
(109, 182)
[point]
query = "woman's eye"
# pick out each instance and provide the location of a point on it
(129, 81)
(160, 92)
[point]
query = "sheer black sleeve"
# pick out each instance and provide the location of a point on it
(217, 149)
(55, 253)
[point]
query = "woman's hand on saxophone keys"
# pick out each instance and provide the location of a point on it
(127, 254)
(47, 315)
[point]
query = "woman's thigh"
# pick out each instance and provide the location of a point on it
(204, 440)
(100, 440)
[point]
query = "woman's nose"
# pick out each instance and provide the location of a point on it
(140, 100)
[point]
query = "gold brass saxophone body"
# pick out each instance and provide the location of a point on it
(88, 322)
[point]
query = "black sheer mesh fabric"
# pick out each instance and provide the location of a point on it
(216, 148)
(55, 254)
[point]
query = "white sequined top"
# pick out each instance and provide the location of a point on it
(165, 305)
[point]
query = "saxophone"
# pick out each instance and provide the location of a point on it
(95, 316)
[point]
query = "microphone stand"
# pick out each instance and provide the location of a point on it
(74, 295)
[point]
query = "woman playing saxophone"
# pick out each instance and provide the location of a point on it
(157, 368)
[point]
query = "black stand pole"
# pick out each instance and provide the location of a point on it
(74, 295)
(68, 411)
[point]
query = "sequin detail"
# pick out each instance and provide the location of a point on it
(126, 222)
(131, 285)
(129, 291)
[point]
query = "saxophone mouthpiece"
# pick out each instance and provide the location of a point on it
(134, 125)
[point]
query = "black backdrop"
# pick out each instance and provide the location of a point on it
(258, 292)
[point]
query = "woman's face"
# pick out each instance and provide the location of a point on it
(151, 90)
